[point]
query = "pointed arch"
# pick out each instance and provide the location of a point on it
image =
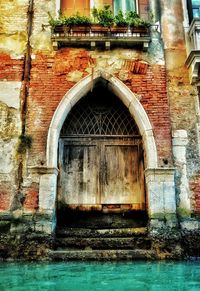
(123, 93)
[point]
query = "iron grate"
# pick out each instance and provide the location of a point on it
(103, 115)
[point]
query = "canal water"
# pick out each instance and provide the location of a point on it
(82, 276)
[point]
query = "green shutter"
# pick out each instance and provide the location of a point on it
(195, 2)
(124, 5)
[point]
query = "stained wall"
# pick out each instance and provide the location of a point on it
(162, 86)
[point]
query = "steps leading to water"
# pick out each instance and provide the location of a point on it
(101, 244)
(102, 239)
(93, 235)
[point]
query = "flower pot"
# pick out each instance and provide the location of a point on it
(119, 29)
(61, 30)
(80, 29)
(97, 28)
(142, 30)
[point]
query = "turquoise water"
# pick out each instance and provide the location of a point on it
(100, 276)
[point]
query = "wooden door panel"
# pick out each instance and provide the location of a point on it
(80, 174)
(101, 171)
(120, 182)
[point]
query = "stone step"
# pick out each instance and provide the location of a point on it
(99, 255)
(104, 243)
(87, 232)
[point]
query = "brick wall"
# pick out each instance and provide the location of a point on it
(11, 69)
(31, 197)
(49, 84)
(152, 89)
(144, 8)
(195, 191)
(5, 196)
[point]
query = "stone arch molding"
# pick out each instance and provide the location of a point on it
(48, 178)
(123, 93)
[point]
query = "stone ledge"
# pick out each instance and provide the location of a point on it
(107, 42)
(43, 170)
(159, 174)
(193, 63)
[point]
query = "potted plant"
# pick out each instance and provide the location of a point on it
(75, 23)
(59, 25)
(121, 23)
(104, 18)
(78, 23)
(137, 25)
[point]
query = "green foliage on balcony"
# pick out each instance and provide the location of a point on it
(134, 20)
(103, 17)
(120, 19)
(73, 20)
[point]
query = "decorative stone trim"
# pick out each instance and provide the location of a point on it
(161, 193)
(48, 178)
(121, 91)
(43, 170)
(180, 141)
(47, 192)
(193, 63)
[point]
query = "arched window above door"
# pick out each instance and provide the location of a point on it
(104, 115)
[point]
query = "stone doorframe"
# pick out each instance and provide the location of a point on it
(159, 182)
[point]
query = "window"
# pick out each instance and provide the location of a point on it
(193, 9)
(124, 5)
(196, 8)
(69, 7)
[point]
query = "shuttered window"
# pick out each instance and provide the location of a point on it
(124, 5)
(70, 7)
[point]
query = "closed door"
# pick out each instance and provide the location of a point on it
(101, 171)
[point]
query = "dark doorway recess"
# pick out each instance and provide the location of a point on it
(101, 163)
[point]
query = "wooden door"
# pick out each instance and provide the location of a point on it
(101, 171)
(120, 182)
(79, 176)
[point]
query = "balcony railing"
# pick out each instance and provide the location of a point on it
(95, 37)
(193, 59)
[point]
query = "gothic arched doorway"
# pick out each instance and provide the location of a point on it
(100, 156)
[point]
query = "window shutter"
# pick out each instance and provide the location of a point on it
(99, 4)
(70, 7)
(124, 5)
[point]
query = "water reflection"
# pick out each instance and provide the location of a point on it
(100, 276)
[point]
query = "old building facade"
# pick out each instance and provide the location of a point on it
(104, 123)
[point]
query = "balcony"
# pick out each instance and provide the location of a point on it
(104, 38)
(193, 59)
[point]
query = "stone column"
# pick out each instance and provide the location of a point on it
(180, 141)
(46, 220)
(161, 197)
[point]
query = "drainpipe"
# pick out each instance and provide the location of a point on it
(27, 66)
(18, 199)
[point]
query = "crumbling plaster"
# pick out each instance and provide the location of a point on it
(9, 131)
(13, 26)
